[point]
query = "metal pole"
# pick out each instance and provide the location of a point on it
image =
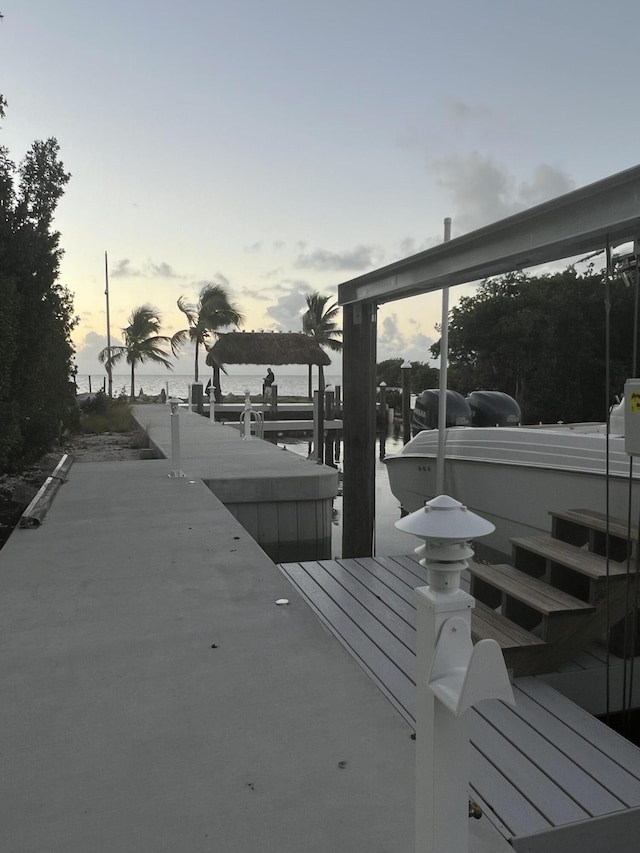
(406, 402)
(444, 349)
(106, 293)
(175, 440)
(247, 416)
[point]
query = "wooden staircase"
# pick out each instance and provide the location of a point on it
(560, 594)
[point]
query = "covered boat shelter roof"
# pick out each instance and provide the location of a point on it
(591, 218)
(583, 220)
(266, 348)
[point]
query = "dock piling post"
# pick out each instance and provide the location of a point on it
(212, 405)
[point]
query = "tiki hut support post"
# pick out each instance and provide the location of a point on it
(359, 428)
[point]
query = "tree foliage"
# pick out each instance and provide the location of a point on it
(319, 322)
(212, 312)
(36, 396)
(422, 375)
(142, 342)
(542, 340)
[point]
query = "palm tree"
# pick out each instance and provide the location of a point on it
(142, 342)
(318, 321)
(212, 312)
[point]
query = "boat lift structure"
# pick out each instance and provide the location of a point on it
(595, 217)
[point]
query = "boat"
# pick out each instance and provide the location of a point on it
(480, 408)
(515, 475)
(425, 410)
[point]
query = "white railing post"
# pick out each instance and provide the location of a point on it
(247, 416)
(452, 674)
(175, 439)
(212, 405)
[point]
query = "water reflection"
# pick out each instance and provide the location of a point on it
(388, 540)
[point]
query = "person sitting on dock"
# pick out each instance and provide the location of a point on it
(269, 379)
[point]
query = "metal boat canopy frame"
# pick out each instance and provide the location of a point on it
(587, 219)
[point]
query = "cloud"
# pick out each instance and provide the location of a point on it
(86, 357)
(393, 342)
(290, 306)
(409, 246)
(271, 273)
(484, 191)
(548, 182)
(253, 249)
(359, 258)
(123, 269)
(162, 270)
(218, 278)
(440, 128)
(255, 293)
(461, 111)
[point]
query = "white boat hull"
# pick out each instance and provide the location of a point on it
(515, 476)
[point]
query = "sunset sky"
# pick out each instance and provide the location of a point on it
(282, 146)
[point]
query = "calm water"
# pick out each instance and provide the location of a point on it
(175, 385)
(388, 540)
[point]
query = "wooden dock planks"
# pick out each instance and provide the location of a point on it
(543, 765)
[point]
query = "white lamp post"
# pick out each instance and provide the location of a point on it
(452, 674)
(175, 439)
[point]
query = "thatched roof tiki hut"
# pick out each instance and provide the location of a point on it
(265, 348)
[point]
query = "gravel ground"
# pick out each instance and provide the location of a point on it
(107, 447)
(18, 490)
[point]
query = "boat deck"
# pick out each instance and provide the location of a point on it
(544, 771)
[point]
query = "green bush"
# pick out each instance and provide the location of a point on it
(106, 415)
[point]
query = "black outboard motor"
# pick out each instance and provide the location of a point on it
(425, 411)
(493, 408)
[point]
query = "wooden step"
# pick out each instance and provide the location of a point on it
(487, 624)
(531, 591)
(523, 652)
(591, 528)
(590, 519)
(593, 566)
(527, 601)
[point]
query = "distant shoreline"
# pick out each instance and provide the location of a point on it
(291, 385)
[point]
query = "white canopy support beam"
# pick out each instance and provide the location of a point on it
(577, 222)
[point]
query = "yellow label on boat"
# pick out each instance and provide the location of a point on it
(634, 403)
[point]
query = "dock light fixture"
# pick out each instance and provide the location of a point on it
(451, 673)
(446, 527)
(175, 471)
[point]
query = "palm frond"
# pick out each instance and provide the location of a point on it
(189, 310)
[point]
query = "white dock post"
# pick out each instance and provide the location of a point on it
(175, 439)
(212, 405)
(247, 416)
(452, 674)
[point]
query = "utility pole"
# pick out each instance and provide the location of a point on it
(106, 293)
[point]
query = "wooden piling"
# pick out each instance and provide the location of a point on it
(359, 428)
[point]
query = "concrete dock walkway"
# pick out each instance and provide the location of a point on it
(156, 698)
